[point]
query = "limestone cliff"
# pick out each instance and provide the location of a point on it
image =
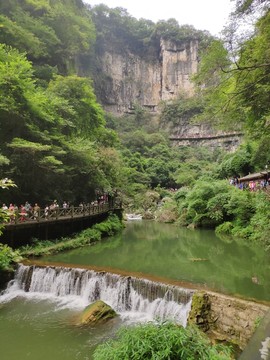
(130, 78)
(127, 76)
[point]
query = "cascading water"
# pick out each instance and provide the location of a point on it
(134, 299)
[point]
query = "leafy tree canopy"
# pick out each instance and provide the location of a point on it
(53, 33)
(49, 136)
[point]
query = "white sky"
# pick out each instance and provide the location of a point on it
(210, 15)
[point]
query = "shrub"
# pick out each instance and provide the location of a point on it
(225, 228)
(241, 206)
(110, 226)
(160, 342)
(88, 236)
(205, 204)
(260, 222)
(8, 256)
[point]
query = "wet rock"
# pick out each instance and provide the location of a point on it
(98, 312)
(5, 277)
(200, 311)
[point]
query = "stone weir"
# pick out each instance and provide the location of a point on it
(125, 294)
(222, 317)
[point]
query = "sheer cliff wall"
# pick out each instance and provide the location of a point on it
(129, 79)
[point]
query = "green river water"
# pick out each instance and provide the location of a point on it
(169, 252)
(38, 326)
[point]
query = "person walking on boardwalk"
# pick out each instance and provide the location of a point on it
(11, 213)
(36, 210)
(22, 213)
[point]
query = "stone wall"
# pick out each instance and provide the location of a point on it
(225, 317)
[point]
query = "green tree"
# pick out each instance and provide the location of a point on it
(237, 164)
(55, 33)
(53, 140)
(87, 115)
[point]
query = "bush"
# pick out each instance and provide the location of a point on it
(241, 206)
(204, 204)
(225, 228)
(160, 342)
(108, 227)
(8, 257)
(260, 221)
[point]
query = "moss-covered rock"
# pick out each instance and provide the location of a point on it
(200, 311)
(97, 312)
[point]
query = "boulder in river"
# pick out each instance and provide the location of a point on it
(97, 312)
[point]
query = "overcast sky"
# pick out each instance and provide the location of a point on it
(208, 15)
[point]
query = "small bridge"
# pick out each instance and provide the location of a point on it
(49, 224)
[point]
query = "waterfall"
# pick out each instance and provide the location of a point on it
(132, 298)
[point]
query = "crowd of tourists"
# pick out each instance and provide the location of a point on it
(27, 211)
(253, 185)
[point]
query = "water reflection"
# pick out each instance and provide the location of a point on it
(197, 256)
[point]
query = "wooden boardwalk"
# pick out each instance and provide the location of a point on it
(20, 220)
(22, 230)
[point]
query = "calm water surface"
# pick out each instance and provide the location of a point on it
(167, 251)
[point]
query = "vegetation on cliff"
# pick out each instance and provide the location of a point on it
(115, 27)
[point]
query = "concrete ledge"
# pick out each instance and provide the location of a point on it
(227, 317)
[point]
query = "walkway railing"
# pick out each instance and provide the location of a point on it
(194, 137)
(43, 215)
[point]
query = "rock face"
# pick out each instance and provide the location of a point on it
(125, 79)
(5, 277)
(130, 79)
(200, 311)
(227, 141)
(226, 317)
(97, 312)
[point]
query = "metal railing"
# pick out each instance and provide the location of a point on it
(204, 136)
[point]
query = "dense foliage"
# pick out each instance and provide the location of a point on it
(52, 33)
(116, 27)
(232, 211)
(54, 139)
(160, 342)
(8, 257)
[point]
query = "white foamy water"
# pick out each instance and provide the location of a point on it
(134, 299)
